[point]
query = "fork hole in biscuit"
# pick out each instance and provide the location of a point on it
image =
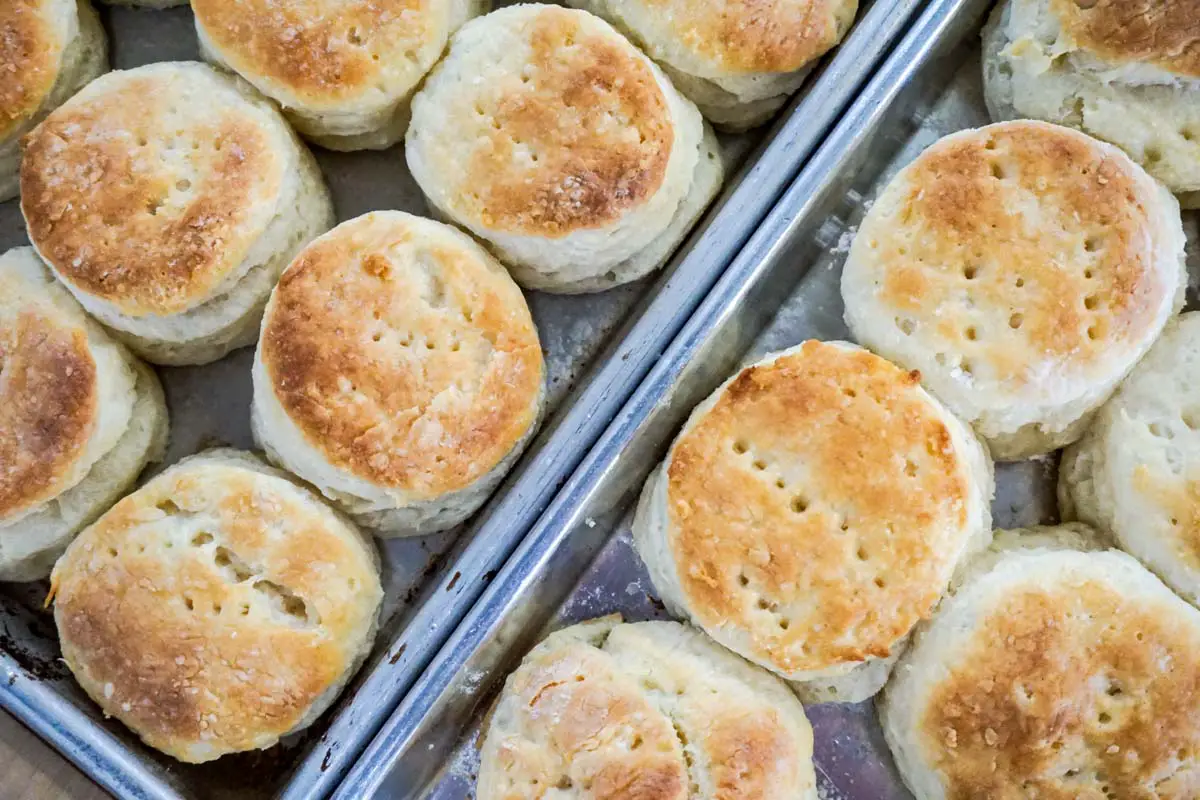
(880, 583)
(189, 603)
(743, 580)
(1090, 302)
(740, 447)
(780, 483)
(1016, 320)
(1153, 155)
(906, 326)
(759, 464)
(861, 554)
(799, 504)
(202, 538)
(998, 171)
(784, 624)
(1093, 244)
(972, 334)
(910, 468)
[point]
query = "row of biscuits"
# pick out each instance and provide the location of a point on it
(825, 513)
(176, 215)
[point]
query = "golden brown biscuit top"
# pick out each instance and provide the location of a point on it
(1033, 242)
(756, 35)
(1177, 497)
(325, 51)
(30, 50)
(577, 723)
(1070, 692)
(48, 406)
(820, 504)
(212, 607)
(573, 140)
(1166, 34)
(148, 189)
(404, 353)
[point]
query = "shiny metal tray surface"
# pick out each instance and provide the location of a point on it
(598, 348)
(578, 562)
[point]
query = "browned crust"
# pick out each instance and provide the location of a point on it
(117, 223)
(842, 560)
(29, 56)
(48, 407)
(1031, 222)
(755, 35)
(318, 49)
(590, 169)
(408, 360)
(1071, 693)
(164, 628)
(1166, 34)
(1178, 497)
(613, 744)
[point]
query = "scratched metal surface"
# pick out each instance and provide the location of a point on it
(597, 349)
(578, 562)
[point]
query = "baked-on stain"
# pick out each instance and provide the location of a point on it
(1165, 34)
(232, 671)
(593, 115)
(48, 407)
(873, 490)
(324, 51)
(751, 36)
(1030, 242)
(113, 216)
(1070, 692)
(29, 54)
(421, 376)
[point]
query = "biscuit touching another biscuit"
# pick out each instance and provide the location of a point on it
(168, 199)
(738, 60)
(1124, 71)
(812, 511)
(399, 372)
(548, 135)
(344, 72)
(648, 710)
(1023, 269)
(79, 418)
(1051, 673)
(49, 49)
(1136, 472)
(218, 608)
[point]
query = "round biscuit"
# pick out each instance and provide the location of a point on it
(1125, 72)
(79, 418)
(653, 710)
(49, 49)
(218, 608)
(812, 511)
(1053, 673)
(1134, 472)
(168, 199)
(550, 136)
(1023, 269)
(344, 72)
(399, 371)
(737, 60)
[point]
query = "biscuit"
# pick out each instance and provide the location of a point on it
(79, 418)
(146, 3)
(48, 50)
(398, 371)
(344, 72)
(813, 510)
(652, 710)
(218, 608)
(1054, 673)
(547, 134)
(168, 199)
(737, 60)
(1125, 72)
(1135, 472)
(1023, 269)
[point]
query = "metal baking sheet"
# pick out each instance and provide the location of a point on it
(598, 348)
(578, 562)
